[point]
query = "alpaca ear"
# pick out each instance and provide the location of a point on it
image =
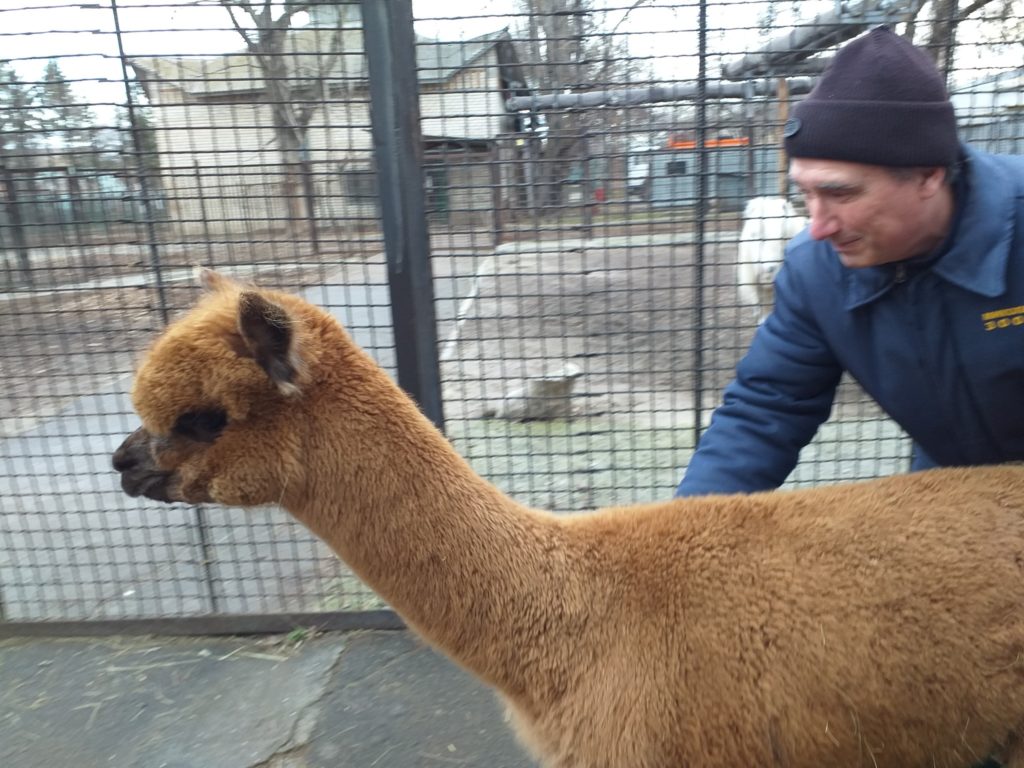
(267, 332)
(213, 281)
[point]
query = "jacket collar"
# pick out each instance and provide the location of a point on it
(976, 259)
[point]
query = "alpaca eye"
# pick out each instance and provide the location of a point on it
(202, 426)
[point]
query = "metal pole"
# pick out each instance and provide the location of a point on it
(497, 196)
(783, 178)
(587, 189)
(200, 521)
(700, 224)
(138, 150)
(653, 94)
(398, 148)
(17, 223)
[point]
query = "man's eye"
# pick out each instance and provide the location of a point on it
(202, 426)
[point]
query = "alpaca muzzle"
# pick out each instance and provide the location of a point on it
(140, 476)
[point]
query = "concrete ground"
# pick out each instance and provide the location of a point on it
(363, 699)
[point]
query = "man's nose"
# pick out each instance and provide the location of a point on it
(823, 224)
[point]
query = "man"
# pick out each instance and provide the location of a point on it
(910, 276)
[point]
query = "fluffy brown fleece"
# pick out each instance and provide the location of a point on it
(870, 624)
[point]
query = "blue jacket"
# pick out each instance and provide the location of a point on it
(941, 349)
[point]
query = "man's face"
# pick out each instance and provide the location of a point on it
(868, 214)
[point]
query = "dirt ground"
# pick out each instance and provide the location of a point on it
(84, 315)
(641, 320)
(649, 326)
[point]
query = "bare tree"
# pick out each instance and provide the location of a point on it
(293, 96)
(554, 62)
(939, 20)
(567, 46)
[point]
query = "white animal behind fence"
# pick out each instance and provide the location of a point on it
(768, 224)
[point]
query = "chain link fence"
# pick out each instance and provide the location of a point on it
(582, 166)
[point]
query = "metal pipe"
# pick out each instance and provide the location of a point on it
(715, 89)
(846, 20)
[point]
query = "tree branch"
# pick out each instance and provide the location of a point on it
(976, 5)
(228, 5)
(633, 7)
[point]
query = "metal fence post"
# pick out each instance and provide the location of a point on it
(398, 148)
(701, 135)
(139, 153)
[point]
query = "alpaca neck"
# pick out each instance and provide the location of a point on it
(477, 574)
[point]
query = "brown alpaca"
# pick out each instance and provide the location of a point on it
(871, 624)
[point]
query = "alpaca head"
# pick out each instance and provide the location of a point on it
(220, 396)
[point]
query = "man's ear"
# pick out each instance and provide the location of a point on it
(269, 335)
(933, 180)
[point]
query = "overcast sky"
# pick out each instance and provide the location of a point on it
(82, 33)
(38, 29)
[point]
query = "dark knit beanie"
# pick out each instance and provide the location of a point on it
(881, 102)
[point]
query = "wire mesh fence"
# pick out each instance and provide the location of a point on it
(585, 165)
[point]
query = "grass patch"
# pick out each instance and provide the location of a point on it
(575, 464)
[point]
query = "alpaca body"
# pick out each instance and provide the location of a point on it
(869, 624)
(768, 224)
(800, 629)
